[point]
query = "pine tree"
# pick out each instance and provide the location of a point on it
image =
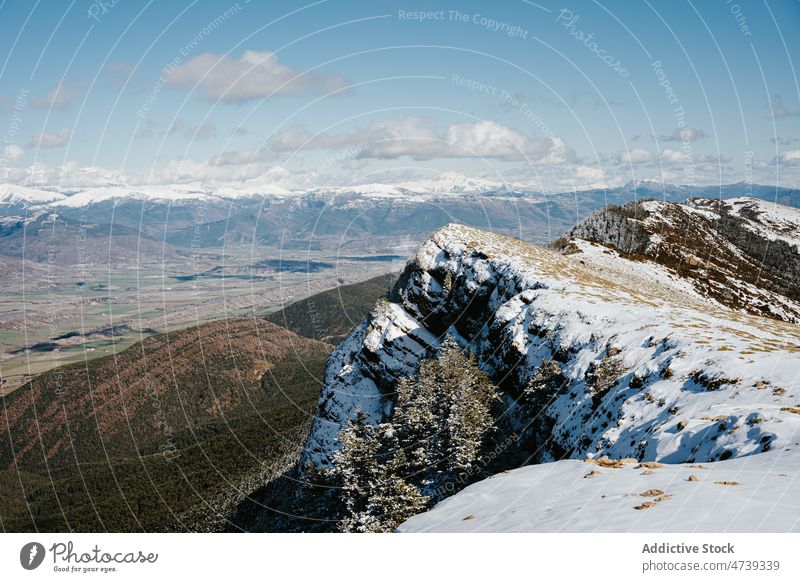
(436, 433)
(470, 396)
(375, 494)
(357, 471)
(394, 500)
(442, 418)
(414, 425)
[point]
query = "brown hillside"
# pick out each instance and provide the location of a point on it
(154, 396)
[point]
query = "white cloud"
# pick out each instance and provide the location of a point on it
(418, 139)
(669, 156)
(636, 156)
(59, 98)
(13, 152)
(790, 158)
(190, 171)
(588, 174)
(583, 177)
(68, 175)
(73, 175)
(684, 134)
(256, 74)
(47, 140)
(243, 170)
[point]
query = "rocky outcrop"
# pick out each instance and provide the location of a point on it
(743, 253)
(651, 368)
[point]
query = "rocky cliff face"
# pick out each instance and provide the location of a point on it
(742, 252)
(653, 366)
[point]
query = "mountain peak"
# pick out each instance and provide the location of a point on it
(517, 306)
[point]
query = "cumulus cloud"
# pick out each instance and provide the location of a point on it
(589, 174)
(254, 75)
(185, 171)
(250, 170)
(190, 171)
(13, 152)
(418, 139)
(669, 156)
(637, 156)
(47, 140)
(67, 175)
(779, 109)
(59, 98)
(789, 158)
(582, 177)
(684, 134)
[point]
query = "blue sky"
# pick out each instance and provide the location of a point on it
(555, 95)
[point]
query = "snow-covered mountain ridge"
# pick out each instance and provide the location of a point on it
(13, 194)
(655, 370)
(771, 220)
(743, 253)
(444, 185)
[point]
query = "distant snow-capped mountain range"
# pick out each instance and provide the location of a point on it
(446, 184)
(214, 217)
